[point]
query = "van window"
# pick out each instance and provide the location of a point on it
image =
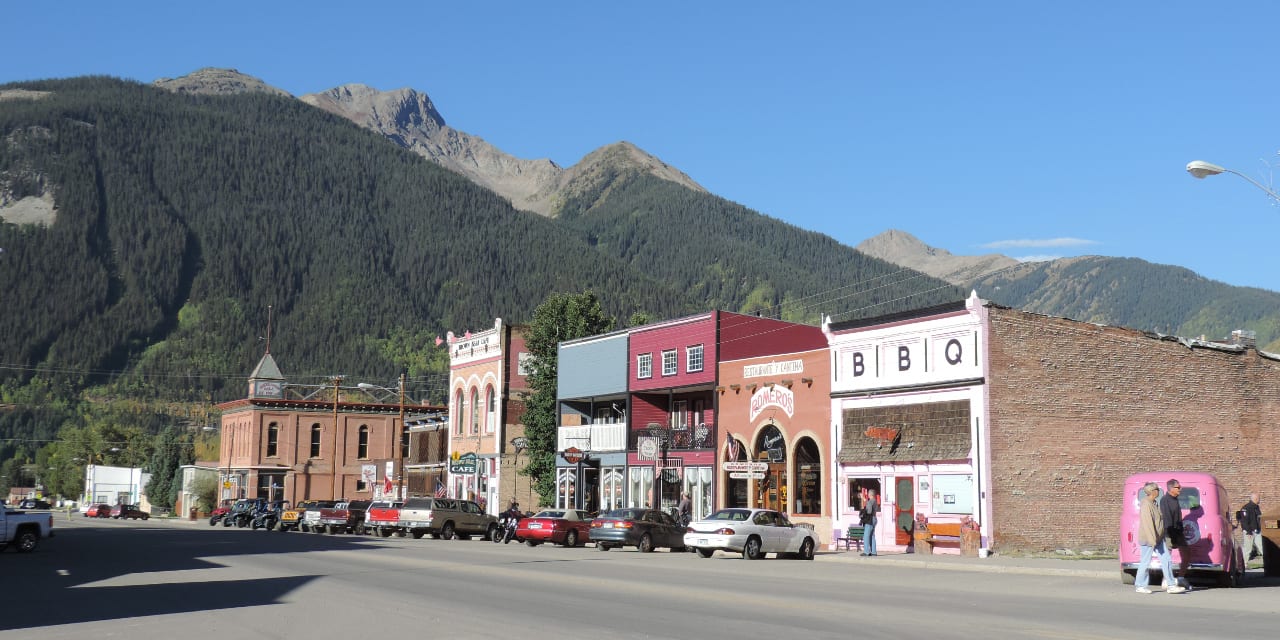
(1189, 498)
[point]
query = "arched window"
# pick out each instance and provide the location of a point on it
(315, 441)
(362, 448)
(491, 410)
(273, 440)
(808, 466)
(459, 413)
(475, 411)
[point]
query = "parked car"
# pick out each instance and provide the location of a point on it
(98, 511)
(128, 512)
(32, 503)
(343, 517)
(383, 518)
(645, 529)
(753, 533)
(1206, 524)
(446, 519)
(569, 527)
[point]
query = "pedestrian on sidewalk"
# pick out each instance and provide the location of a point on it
(1250, 518)
(1175, 538)
(869, 510)
(1151, 539)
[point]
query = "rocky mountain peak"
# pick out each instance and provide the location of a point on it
(625, 156)
(215, 81)
(906, 250)
(401, 113)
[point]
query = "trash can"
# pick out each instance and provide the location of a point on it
(1271, 544)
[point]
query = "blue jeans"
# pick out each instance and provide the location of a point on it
(1166, 562)
(1143, 576)
(869, 537)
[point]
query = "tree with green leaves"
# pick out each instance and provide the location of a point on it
(562, 316)
(170, 453)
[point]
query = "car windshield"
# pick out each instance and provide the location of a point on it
(732, 515)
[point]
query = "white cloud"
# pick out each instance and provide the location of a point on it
(1045, 242)
(1041, 258)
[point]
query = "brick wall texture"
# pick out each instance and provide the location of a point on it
(1075, 408)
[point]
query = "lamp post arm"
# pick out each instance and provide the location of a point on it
(1255, 183)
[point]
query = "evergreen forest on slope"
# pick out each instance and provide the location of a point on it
(181, 219)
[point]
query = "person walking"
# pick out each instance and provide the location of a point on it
(869, 510)
(1171, 514)
(1151, 539)
(1250, 518)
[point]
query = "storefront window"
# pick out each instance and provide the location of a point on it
(697, 483)
(808, 466)
(611, 489)
(640, 487)
(857, 491)
(566, 486)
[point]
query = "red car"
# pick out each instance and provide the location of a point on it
(128, 512)
(569, 527)
(98, 511)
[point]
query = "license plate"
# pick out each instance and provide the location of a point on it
(607, 525)
(535, 525)
(702, 540)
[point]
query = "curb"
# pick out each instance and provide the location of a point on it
(975, 566)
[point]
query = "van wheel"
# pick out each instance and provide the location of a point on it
(1127, 577)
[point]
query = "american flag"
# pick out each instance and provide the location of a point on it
(441, 491)
(732, 447)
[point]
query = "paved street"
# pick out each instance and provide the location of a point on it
(104, 579)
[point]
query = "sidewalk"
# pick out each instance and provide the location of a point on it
(1105, 568)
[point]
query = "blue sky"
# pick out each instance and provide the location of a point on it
(1023, 128)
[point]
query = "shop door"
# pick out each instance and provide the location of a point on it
(904, 509)
(772, 489)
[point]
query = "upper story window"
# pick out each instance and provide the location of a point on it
(315, 441)
(680, 415)
(644, 365)
(459, 413)
(693, 358)
(362, 447)
(475, 411)
(669, 363)
(490, 410)
(273, 440)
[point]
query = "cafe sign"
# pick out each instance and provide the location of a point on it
(464, 463)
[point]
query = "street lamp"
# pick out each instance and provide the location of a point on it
(1201, 169)
(399, 434)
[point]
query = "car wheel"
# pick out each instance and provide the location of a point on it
(646, 544)
(806, 550)
(27, 540)
(491, 533)
(752, 549)
(383, 533)
(360, 530)
(571, 539)
(415, 534)
(532, 543)
(706, 553)
(600, 546)
(447, 533)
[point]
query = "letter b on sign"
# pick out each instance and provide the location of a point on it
(858, 367)
(904, 359)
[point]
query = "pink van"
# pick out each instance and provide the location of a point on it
(1206, 522)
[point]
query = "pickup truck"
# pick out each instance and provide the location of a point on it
(446, 519)
(309, 520)
(24, 530)
(293, 517)
(344, 517)
(383, 518)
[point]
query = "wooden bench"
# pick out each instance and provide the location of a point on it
(852, 538)
(935, 532)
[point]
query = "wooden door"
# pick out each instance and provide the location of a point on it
(904, 509)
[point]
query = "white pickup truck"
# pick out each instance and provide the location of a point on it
(24, 530)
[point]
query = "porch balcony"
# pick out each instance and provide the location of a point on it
(593, 437)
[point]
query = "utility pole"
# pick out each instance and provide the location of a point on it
(337, 476)
(400, 434)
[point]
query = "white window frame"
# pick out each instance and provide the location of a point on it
(644, 365)
(490, 409)
(669, 367)
(693, 358)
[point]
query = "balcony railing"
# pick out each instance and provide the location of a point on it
(593, 437)
(692, 438)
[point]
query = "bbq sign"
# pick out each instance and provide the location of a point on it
(775, 396)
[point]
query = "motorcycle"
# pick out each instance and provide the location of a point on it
(506, 529)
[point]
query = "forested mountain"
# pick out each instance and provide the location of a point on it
(1124, 292)
(178, 219)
